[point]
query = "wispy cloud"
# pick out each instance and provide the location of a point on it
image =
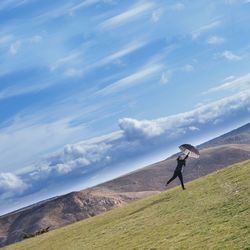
(215, 40)
(203, 29)
(9, 4)
(128, 49)
(74, 66)
(238, 83)
(16, 90)
(228, 78)
(127, 16)
(5, 39)
(131, 80)
(69, 59)
(82, 5)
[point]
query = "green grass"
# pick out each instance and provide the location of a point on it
(213, 213)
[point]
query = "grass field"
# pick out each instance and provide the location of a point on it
(213, 213)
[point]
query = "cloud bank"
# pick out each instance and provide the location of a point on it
(133, 140)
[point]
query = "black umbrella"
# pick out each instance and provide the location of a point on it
(192, 150)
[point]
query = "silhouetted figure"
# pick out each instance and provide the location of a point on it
(178, 170)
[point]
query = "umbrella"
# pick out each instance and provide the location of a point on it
(188, 148)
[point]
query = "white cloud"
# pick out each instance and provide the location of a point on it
(74, 66)
(229, 78)
(156, 15)
(177, 6)
(133, 46)
(127, 16)
(242, 82)
(16, 90)
(35, 39)
(168, 74)
(230, 56)
(131, 80)
(203, 29)
(69, 59)
(81, 5)
(187, 68)
(193, 128)
(77, 156)
(73, 72)
(8, 4)
(134, 129)
(5, 39)
(10, 182)
(88, 3)
(14, 47)
(215, 40)
(165, 77)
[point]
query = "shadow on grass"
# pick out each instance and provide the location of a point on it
(165, 199)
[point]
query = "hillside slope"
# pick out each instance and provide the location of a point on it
(213, 213)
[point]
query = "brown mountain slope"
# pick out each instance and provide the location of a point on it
(61, 211)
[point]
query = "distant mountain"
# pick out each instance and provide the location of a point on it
(218, 153)
(237, 136)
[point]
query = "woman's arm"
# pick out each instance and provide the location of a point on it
(186, 156)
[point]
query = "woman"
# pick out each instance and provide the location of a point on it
(181, 162)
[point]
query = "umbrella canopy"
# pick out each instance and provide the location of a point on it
(188, 148)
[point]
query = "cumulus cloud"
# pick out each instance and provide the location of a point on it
(11, 184)
(134, 129)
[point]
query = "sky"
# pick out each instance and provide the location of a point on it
(93, 89)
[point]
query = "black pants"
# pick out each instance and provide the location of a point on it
(179, 174)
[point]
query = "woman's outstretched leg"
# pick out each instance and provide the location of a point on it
(172, 178)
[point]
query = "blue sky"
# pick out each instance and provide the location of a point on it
(93, 89)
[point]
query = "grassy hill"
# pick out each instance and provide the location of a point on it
(213, 213)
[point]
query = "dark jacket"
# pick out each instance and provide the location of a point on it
(180, 163)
